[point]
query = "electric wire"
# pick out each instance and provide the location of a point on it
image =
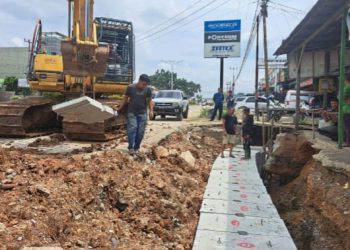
(252, 36)
(171, 18)
(175, 23)
(186, 23)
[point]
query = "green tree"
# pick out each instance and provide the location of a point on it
(11, 84)
(162, 79)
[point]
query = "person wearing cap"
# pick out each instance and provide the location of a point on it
(137, 98)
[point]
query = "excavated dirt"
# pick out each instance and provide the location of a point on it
(106, 200)
(315, 205)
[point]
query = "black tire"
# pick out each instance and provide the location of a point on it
(180, 116)
(163, 116)
(186, 113)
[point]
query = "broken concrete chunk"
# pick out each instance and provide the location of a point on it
(121, 205)
(161, 152)
(173, 152)
(2, 228)
(84, 110)
(42, 190)
(188, 158)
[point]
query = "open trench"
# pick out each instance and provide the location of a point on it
(312, 199)
(106, 199)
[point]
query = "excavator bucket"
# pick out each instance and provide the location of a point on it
(84, 59)
(29, 115)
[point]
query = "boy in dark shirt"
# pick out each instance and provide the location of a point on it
(229, 125)
(247, 132)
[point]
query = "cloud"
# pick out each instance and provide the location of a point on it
(18, 17)
(18, 42)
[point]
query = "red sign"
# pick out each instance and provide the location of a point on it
(235, 223)
(246, 245)
(244, 208)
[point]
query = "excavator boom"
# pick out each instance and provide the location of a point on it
(82, 55)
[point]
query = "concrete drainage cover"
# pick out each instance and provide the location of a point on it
(229, 195)
(239, 208)
(250, 189)
(209, 240)
(237, 212)
(235, 224)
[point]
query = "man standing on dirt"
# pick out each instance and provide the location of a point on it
(137, 97)
(219, 104)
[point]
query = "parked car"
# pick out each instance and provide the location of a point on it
(249, 102)
(171, 103)
(305, 98)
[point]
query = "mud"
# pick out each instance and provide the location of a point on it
(314, 201)
(107, 199)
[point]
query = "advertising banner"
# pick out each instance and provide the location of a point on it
(222, 39)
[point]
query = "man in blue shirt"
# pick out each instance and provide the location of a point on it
(219, 99)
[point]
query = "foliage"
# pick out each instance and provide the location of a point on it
(205, 112)
(11, 84)
(54, 95)
(162, 79)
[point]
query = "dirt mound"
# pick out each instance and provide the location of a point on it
(108, 200)
(315, 205)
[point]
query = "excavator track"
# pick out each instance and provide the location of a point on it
(22, 117)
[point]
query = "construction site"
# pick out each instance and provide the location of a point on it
(72, 105)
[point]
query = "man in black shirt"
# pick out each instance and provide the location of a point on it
(137, 98)
(229, 125)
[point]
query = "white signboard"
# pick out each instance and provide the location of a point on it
(222, 39)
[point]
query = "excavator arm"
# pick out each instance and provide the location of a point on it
(81, 53)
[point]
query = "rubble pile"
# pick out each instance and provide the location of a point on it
(106, 199)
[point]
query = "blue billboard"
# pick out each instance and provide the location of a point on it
(222, 26)
(222, 39)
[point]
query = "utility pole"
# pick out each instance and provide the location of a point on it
(172, 63)
(221, 72)
(257, 68)
(233, 79)
(264, 15)
(267, 85)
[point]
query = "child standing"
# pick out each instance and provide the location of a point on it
(247, 132)
(346, 110)
(229, 125)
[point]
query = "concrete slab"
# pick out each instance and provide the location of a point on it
(243, 225)
(84, 110)
(237, 212)
(239, 208)
(209, 240)
(231, 177)
(228, 195)
(254, 189)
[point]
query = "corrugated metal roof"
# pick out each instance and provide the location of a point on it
(13, 61)
(320, 14)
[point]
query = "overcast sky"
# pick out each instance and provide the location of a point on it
(17, 20)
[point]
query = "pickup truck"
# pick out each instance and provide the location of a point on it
(170, 103)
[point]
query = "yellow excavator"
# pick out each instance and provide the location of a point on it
(96, 58)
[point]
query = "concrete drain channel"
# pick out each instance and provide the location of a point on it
(237, 212)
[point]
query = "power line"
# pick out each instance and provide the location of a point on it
(252, 36)
(171, 18)
(186, 23)
(284, 7)
(179, 21)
